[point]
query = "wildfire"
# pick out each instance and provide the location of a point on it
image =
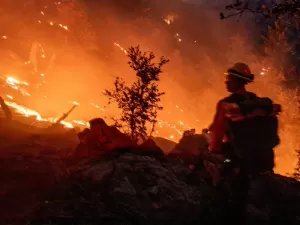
(16, 84)
(20, 86)
(24, 111)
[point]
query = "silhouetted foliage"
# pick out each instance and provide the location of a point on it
(289, 7)
(276, 44)
(279, 25)
(140, 101)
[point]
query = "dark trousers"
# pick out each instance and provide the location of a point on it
(236, 212)
(231, 200)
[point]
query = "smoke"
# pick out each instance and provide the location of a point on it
(200, 46)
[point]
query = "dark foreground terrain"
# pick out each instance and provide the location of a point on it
(42, 184)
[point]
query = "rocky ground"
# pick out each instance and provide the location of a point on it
(42, 184)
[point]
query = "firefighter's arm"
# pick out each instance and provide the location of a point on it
(264, 105)
(217, 128)
(252, 108)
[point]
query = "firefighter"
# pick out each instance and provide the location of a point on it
(245, 129)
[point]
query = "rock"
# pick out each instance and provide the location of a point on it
(25, 182)
(166, 145)
(100, 138)
(98, 172)
(140, 189)
(129, 188)
(126, 186)
(270, 195)
(191, 145)
(150, 148)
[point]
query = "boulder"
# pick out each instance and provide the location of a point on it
(190, 147)
(192, 143)
(150, 148)
(129, 188)
(126, 189)
(165, 144)
(101, 138)
(25, 179)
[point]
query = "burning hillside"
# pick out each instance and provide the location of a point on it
(59, 53)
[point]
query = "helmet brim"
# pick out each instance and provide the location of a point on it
(248, 77)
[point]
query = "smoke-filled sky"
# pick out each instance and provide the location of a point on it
(83, 55)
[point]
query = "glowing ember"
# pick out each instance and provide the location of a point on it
(81, 122)
(10, 97)
(16, 84)
(177, 36)
(75, 103)
(169, 19)
(25, 111)
(120, 47)
(98, 107)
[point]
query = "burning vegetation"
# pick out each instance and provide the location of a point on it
(64, 62)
